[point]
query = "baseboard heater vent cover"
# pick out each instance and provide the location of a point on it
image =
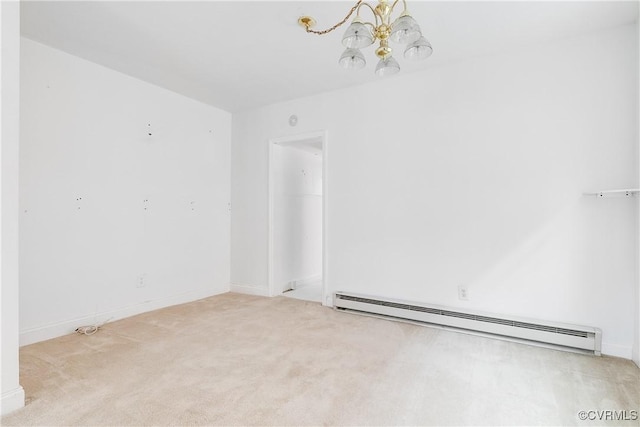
(571, 336)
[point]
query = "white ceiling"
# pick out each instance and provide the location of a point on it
(237, 55)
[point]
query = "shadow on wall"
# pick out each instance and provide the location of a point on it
(562, 271)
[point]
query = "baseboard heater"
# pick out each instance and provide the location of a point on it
(582, 338)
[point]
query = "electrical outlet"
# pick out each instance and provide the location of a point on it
(141, 282)
(463, 293)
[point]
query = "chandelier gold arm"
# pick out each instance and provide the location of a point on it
(375, 14)
(384, 11)
(380, 12)
(404, 5)
(373, 27)
(307, 22)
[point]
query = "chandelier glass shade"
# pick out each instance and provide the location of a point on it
(361, 34)
(357, 35)
(405, 30)
(387, 66)
(352, 59)
(419, 49)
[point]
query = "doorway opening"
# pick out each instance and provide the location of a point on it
(297, 194)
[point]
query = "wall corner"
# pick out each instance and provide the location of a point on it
(12, 394)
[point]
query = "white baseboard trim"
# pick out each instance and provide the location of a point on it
(11, 400)
(250, 290)
(54, 330)
(616, 350)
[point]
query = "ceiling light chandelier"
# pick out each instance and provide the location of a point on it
(404, 29)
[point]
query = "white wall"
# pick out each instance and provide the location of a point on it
(12, 394)
(636, 345)
(297, 208)
(124, 195)
(472, 173)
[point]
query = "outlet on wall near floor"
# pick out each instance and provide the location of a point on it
(463, 293)
(141, 282)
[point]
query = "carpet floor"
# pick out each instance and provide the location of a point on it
(244, 360)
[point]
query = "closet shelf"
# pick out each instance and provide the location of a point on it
(627, 192)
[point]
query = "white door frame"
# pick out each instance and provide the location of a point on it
(290, 140)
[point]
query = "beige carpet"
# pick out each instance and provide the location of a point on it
(243, 360)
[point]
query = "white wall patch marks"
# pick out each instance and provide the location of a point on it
(133, 159)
